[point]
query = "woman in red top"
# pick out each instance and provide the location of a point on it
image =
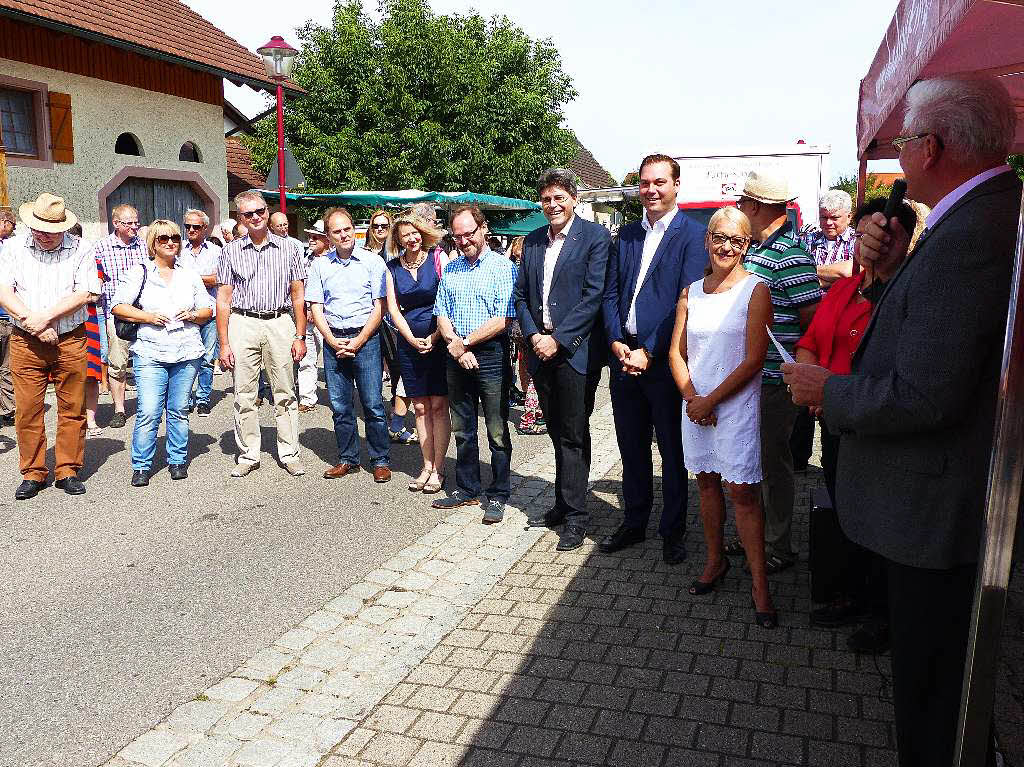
(830, 341)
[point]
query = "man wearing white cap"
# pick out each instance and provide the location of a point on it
(777, 258)
(317, 245)
(46, 280)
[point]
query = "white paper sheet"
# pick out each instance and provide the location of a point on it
(786, 356)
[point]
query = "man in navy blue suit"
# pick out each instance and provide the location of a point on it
(558, 296)
(653, 261)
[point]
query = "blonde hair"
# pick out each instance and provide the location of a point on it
(372, 243)
(158, 227)
(515, 249)
(431, 234)
(733, 216)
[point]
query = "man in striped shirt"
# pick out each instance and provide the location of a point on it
(777, 258)
(261, 278)
(117, 253)
(46, 280)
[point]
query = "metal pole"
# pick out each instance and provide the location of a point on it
(1004, 496)
(280, 147)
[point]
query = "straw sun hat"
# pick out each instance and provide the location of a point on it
(766, 188)
(47, 214)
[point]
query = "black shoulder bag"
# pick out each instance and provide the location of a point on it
(128, 330)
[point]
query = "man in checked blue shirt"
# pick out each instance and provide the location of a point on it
(474, 309)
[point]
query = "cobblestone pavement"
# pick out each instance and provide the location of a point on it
(484, 646)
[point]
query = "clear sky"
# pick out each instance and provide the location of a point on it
(664, 75)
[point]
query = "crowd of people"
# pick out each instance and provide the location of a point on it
(697, 326)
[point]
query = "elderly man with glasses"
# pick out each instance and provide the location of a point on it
(831, 243)
(202, 256)
(261, 323)
(117, 253)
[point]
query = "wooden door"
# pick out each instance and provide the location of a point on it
(156, 198)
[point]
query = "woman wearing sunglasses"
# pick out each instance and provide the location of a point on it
(169, 303)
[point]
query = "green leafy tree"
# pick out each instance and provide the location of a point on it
(420, 100)
(1016, 161)
(874, 187)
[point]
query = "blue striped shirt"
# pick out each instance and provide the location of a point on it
(471, 294)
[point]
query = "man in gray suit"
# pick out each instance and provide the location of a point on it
(916, 416)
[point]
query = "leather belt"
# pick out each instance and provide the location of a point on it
(259, 315)
(346, 331)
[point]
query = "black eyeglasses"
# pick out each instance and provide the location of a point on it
(466, 236)
(197, 227)
(163, 239)
(259, 212)
(736, 243)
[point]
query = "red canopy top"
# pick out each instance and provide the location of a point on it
(928, 38)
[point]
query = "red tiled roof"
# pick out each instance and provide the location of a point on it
(161, 28)
(589, 170)
(241, 174)
(885, 179)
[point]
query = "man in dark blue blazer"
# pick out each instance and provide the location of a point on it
(652, 262)
(558, 297)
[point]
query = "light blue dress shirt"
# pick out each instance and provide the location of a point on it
(471, 294)
(347, 287)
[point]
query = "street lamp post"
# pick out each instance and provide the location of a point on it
(278, 58)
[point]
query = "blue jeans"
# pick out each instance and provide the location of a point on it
(204, 385)
(363, 370)
(161, 386)
(489, 385)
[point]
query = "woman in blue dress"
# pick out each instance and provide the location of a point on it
(414, 271)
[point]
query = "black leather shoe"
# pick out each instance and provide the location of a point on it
(621, 539)
(674, 549)
(571, 538)
(140, 478)
(70, 485)
(177, 471)
(28, 488)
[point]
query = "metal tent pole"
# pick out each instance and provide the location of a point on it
(1003, 504)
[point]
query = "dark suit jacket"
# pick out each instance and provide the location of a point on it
(917, 413)
(574, 300)
(679, 260)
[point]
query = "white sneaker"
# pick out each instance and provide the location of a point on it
(242, 469)
(295, 469)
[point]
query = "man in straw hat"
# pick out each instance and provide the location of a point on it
(777, 258)
(46, 280)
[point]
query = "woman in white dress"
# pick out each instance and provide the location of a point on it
(717, 352)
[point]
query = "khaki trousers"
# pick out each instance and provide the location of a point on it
(32, 364)
(6, 385)
(264, 344)
(117, 353)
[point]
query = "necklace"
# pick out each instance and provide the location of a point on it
(419, 261)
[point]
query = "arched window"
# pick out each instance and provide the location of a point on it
(128, 143)
(189, 152)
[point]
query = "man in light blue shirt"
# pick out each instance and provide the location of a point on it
(474, 308)
(345, 289)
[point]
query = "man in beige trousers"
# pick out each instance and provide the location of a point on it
(261, 322)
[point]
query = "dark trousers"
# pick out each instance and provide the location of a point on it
(641, 404)
(864, 571)
(567, 400)
(801, 441)
(488, 386)
(929, 617)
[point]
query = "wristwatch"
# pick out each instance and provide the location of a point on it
(299, 338)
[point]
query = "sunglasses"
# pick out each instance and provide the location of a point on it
(129, 224)
(259, 212)
(379, 226)
(190, 227)
(163, 239)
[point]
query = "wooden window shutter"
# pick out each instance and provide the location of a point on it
(62, 140)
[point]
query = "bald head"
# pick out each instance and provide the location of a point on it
(279, 224)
